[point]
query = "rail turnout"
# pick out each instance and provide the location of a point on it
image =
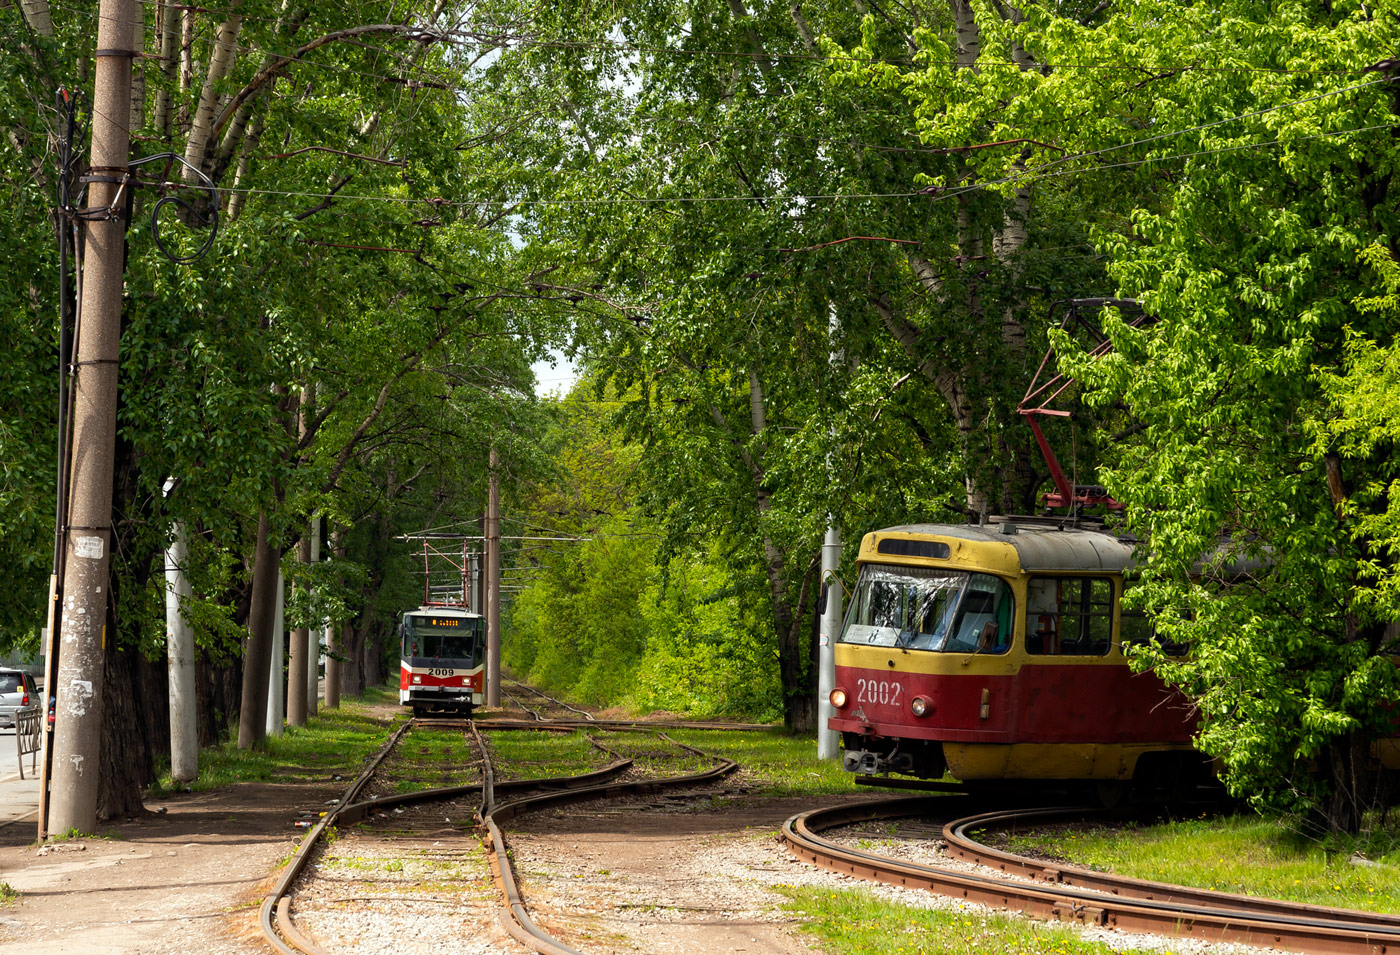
(494, 801)
(1069, 894)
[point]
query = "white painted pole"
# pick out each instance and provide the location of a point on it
(276, 704)
(828, 741)
(179, 638)
(314, 631)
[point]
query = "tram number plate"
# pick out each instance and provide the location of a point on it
(440, 671)
(884, 692)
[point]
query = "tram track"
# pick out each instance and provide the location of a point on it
(1069, 894)
(456, 822)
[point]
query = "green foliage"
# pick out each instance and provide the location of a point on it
(702, 655)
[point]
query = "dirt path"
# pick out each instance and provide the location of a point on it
(664, 879)
(185, 879)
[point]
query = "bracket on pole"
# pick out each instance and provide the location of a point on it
(1041, 394)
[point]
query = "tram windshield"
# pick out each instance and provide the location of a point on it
(950, 611)
(441, 638)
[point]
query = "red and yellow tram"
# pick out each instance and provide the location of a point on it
(995, 652)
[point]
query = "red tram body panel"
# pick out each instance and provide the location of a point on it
(996, 652)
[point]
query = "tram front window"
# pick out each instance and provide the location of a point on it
(918, 608)
(428, 638)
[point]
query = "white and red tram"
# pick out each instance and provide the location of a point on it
(442, 660)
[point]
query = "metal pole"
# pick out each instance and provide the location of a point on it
(78, 729)
(276, 704)
(493, 585)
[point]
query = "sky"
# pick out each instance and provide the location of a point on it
(558, 377)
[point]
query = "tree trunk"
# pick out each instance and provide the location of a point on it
(217, 689)
(257, 648)
(298, 658)
(335, 629)
(131, 730)
(352, 672)
(1353, 784)
(374, 658)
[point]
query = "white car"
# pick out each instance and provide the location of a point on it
(16, 690)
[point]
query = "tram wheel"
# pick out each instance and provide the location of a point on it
(1110, 793)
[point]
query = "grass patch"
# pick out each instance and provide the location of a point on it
(430, 758)
(8, 895)
(528, 754)
(858, 922)
(1241, 854)
(333, 742)
(778, 763)
(653, 756)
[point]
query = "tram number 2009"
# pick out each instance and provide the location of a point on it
(885, 692)
(440, 671)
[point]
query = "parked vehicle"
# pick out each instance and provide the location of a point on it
(16, 690)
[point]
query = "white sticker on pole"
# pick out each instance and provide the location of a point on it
(90, 547)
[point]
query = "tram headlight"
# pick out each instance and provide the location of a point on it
(417, 679)
(920, 706)
(838, 698)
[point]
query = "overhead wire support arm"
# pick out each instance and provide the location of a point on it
(1041, 394)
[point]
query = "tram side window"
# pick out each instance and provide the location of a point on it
(1069, 615)
(1138, 629)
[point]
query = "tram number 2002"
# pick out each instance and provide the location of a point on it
(885, 692)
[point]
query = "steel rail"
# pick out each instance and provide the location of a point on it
(568, 706)
(496, 722)
(1361, 935)
(270, 909)
(962, 846)
(515, 918)
(275, 914)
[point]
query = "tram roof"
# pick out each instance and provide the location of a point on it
(443, 610)
(1039, 546)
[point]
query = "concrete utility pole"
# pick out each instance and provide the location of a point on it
(493, 585)
(827, 741)
(179, 636)
(313, 633)
(333, 641)
(276, 705)
(78, 719)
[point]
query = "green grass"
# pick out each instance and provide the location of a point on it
(333, 742)
(528, 754)
(1247, 855)
(777, 763)
(653, 756)
(8, 895)
(429, 758)
(857, 922)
